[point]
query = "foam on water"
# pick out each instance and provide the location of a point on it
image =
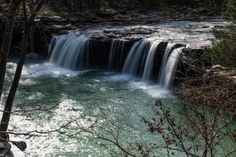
(155, 91)
(119, 77)
(44, 69)
(134, 83)
(47, 69)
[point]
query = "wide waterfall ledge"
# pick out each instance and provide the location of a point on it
(150, 53)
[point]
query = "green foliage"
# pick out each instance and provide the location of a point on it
(231, 10)
(47, 12)
(224, 50)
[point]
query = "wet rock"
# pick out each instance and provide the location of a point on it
(158, 60)
(100, 36)
(5, 148)
(107, 14)
(34, 57)
(190, 65)
(20, 144)
(99, 52)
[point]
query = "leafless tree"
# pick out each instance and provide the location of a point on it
(200, 133)
(29, 14)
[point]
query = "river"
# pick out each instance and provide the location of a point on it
(105, 102)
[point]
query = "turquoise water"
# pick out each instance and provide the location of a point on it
(88, 103)
(88, 96)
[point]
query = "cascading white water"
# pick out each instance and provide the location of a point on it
(116, 51)
(169, 68)
(70, 51)
(134, 57)
(167, 52)
(150, 60)
(56, 45)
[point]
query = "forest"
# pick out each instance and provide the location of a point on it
(127, 78)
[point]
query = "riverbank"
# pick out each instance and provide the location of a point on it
(215, 88)
(123, 17)
(49, 24)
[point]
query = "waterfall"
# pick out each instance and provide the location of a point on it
(141, 55)
(134, 57)
(150, 60)
(167, 52)
(70, 51)
(169, 64)
(58, 43)
(116, 53)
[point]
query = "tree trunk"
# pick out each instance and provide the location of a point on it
(9, 103)
(6, 42)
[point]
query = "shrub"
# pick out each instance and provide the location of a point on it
(224, 50)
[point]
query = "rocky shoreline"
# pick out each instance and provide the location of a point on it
(212, 86)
